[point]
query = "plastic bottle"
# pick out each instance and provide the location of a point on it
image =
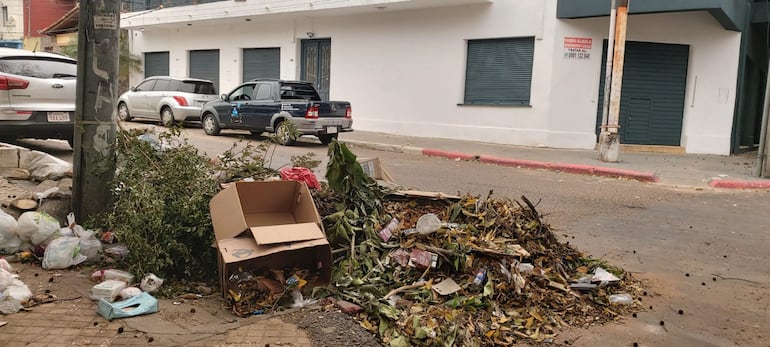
(480, 277)
(621, 299)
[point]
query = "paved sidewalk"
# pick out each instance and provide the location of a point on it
(682, 170)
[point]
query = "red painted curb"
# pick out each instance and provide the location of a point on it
(740, 184)
(447, 154)
(573, 168)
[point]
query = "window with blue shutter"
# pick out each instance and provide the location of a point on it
(499, 71)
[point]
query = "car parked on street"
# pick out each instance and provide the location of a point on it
(270, 105)
(37, 95)
(167, 99)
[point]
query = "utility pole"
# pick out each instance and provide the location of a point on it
(610, 145)
(94, 145)
(763, 169)
(608, 73)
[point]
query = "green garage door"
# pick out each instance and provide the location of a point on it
(261, 63)
(155, 64)
(204, 64)
(652, 100)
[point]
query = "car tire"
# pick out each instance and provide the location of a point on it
(283, 134)
(327, 138)
(123, 113)
(167, 117)
(210, 125)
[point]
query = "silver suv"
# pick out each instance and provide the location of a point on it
(37, 95)
(168, 99)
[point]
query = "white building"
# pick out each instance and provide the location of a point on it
(503, 71)
(11, 21)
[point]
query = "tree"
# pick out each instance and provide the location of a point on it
(127, 62)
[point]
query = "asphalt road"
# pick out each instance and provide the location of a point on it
(702, 252)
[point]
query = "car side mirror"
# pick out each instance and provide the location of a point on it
(133, 88)
(224, 97)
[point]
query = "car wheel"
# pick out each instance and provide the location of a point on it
(123, 113)
(327, 138)
(210, 126)
(283, 134)
(167, 117)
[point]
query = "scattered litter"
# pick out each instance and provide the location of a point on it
(112, 274)
(300, 174)
(446, 287)
(622, 299)
(129, 292)
(151, 283)
(428, 223)
(139, 305)
(108, 290)
(604, 277)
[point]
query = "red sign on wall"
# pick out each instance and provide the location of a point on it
(577, 47)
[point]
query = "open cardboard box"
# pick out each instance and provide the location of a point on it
(374, 168)
(269, 226)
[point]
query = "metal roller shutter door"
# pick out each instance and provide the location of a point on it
(155, 64)
(204, 64)
(652, 100)
(261, 63)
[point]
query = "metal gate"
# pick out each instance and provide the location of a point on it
(316, 63)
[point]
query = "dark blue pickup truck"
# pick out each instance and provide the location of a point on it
(265, 105)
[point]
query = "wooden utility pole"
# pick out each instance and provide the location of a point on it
(94, 145)
(608, 72)
(610, 144)
(763, 167)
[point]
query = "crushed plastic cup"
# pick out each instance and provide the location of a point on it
(428, 223)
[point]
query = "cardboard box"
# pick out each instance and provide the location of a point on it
(269, 226)
(374, 168)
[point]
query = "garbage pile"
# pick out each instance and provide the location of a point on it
(254, 294)
(464, 271)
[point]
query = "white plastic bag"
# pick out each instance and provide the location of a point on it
(62, 253)
(37, 227)
(43, 166)
(151, 283)
(6, 279)
(9, 234)
(18, 292)
(91, 248)
(130, 292)
(5, 266)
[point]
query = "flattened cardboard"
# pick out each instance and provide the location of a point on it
(446, 287)
(276, 234)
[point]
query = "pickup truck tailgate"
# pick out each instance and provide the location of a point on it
(332, 109)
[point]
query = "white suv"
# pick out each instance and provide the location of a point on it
(37, 95)
(167, 99)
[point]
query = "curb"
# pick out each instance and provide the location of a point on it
(385, 147)
(739, 184)
(563, 167)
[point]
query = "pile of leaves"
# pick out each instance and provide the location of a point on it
(513, 276)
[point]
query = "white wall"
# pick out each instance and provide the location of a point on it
(714, 54)
(404, 72)
(14, 31)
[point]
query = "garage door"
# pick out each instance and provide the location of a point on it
(652, 100)
(204, 64)
(261, 63)
(155, 64)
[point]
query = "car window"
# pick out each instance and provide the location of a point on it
(243, 92)
(39, 67)
(264, 92)
(161, 86)
(145, 86)
(198, 87)
(299, 91)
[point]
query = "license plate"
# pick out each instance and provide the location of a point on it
(331, 130)
(58, 116)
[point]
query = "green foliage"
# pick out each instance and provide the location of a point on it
(161, 193)
(307, 161)
(244, 161)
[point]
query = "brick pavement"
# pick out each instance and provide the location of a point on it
(73, 321)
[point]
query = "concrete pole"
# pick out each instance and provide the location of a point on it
(608, 72)
(94, 145)
(610, 148)
(763, 169)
